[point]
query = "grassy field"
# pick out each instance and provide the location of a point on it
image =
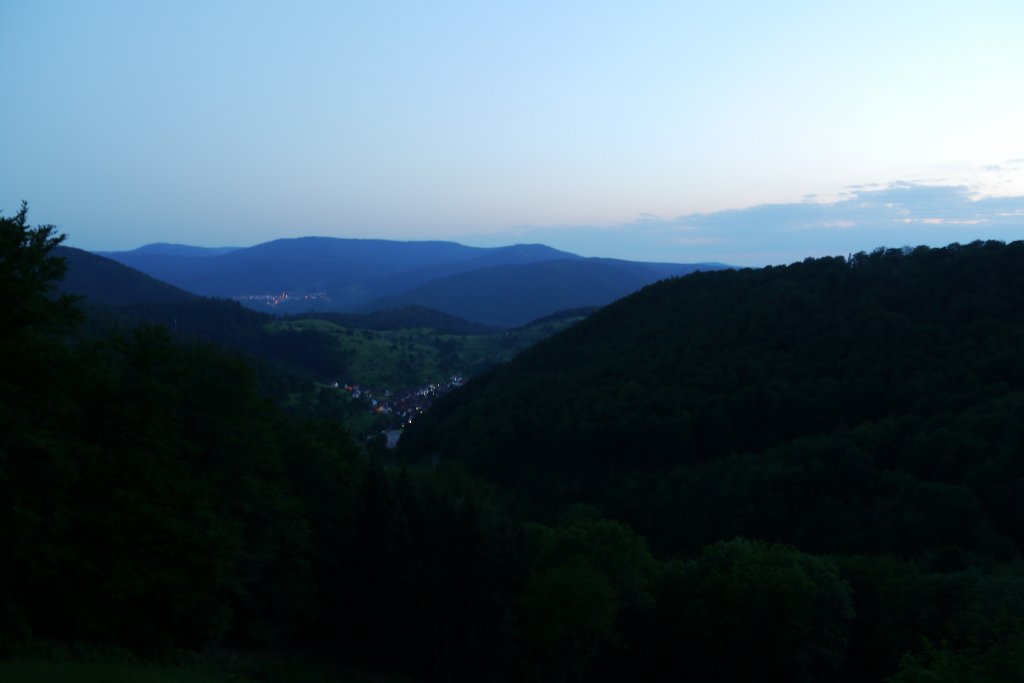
(413, 357)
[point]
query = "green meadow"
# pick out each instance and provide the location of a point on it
(413, 357)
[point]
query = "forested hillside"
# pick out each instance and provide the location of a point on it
(868, 408)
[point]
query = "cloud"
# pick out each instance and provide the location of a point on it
(862, 218)
(899, 214)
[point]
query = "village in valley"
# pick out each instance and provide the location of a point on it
(385, 378)
(399, 408)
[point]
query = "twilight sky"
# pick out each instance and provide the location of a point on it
(743, 132)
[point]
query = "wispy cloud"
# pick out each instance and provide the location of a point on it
(899, 214)
(864, 217)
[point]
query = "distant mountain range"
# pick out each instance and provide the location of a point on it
(501, 286)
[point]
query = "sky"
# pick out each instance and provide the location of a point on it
(748, 133)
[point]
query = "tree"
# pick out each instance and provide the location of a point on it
(566, 617)
(35, 474)
(753, 611)
(32, 356)
(28, 275)
(589, 574)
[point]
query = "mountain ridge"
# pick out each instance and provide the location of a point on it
(327, 274)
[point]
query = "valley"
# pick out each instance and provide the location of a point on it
(407, 358)
(397, 374)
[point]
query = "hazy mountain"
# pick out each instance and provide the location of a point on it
(510, 295)
(166, 249)
(502, 286)
(351, 270)
(518, 254)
